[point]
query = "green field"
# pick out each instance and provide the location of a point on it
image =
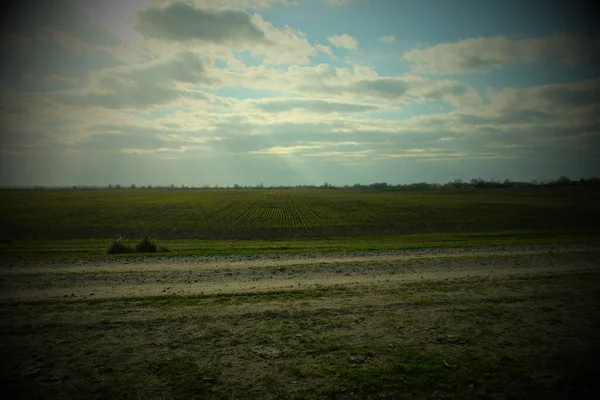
(258, 214)
(76, 223)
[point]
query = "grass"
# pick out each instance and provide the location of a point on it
(76, 223)
(96, 248)
(512, 337)
(284, 214)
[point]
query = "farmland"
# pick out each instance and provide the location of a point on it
(273, 214)
(301, 294)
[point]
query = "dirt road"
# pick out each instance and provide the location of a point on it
(89, 279)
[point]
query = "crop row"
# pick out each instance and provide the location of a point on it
(271, 210)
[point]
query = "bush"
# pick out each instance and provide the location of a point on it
(146, 246)
(119, 247)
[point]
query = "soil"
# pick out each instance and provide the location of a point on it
(207, 275)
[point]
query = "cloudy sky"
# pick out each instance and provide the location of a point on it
(297, 91)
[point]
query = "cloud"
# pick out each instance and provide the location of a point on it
(145, 85)
(453, 92)
(180, 149)
(312, 105)
(344, 84)
(241, 4)
(324, 49)
(337, 3)
(41, 40)
(57, 79)
(478, 55)
(576, 103)
(342, 154)
(282, 46)
(387, 39)
(184, 22)
(345, 41)
(281, 150)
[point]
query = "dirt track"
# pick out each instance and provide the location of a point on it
(246, 274)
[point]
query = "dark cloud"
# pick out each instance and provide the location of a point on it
(183, 22)
(582, 94)
(575, 103)
(482, 54)
(387, 88)
(145, 86)
(28, 16)
(50, 45)
(379, 88)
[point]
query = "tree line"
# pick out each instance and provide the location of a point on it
(475, 183)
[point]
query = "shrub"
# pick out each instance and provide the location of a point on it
(119, 247)
(146, 246)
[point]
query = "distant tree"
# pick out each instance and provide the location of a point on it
(133, 185)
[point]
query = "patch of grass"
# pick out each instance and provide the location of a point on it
(183, 377)
(95, 248)
(348, 345)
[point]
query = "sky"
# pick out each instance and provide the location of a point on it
(297, 92)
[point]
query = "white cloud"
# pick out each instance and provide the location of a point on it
(281, 150)
(343, 154)
(484, 54)
(282, 46)
(337, 3)
(343, 84)
(387, 39)
(345, 41)
(312, 105)
(324, 49)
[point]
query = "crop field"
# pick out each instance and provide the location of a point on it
(301, 294)
(269, 214)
